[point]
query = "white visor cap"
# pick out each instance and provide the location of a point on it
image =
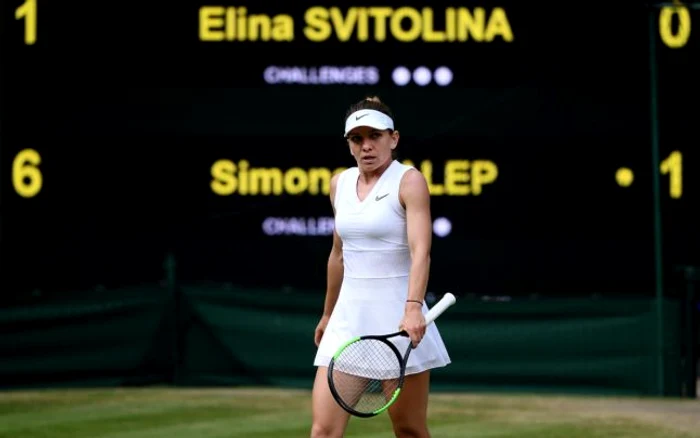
(368, 117)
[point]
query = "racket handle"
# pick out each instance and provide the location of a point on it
(446, 301)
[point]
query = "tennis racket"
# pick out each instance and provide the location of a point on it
(366, 374)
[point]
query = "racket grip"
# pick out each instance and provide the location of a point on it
(446, 301)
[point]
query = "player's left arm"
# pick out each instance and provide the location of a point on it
(415, 197)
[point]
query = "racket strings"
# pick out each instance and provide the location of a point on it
(366, 374)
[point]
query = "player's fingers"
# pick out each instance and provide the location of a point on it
(415, 337)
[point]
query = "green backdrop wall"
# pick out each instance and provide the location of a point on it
(210, 335)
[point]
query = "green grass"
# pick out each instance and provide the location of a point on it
(260, 413)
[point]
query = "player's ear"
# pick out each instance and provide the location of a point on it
(395, 138)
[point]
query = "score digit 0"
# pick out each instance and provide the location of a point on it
(679, 38)
(26, 176)
(28, 12)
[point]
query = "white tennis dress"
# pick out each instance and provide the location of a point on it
(377, 263)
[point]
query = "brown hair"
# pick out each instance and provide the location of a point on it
(373, 103)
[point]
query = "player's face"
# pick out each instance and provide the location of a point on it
(371, 147)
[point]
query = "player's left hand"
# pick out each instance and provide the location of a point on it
(413, 322)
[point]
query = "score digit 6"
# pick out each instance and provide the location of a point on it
(26, 176)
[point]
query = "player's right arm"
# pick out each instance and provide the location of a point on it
(334, 274)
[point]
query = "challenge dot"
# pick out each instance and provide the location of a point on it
(422, 76)
(443, 76)
(442, 226)
(401, 76)
(624, 176)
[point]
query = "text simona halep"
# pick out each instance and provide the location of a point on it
(405, 24)
(459, 178)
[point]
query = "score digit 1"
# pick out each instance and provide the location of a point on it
(26, 176)
(673, 167)
(28, 12)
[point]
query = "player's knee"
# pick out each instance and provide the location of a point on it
(410, 430)
(320, 430)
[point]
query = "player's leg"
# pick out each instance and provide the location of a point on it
(409, 415)
(329, 420)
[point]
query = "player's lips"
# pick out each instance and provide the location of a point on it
(367, 159)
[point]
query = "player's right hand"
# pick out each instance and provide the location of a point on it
(320, 329)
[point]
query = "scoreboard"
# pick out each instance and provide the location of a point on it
(560, 142)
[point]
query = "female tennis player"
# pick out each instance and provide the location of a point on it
(378, 269)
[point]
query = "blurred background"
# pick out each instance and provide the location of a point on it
(165, 169)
